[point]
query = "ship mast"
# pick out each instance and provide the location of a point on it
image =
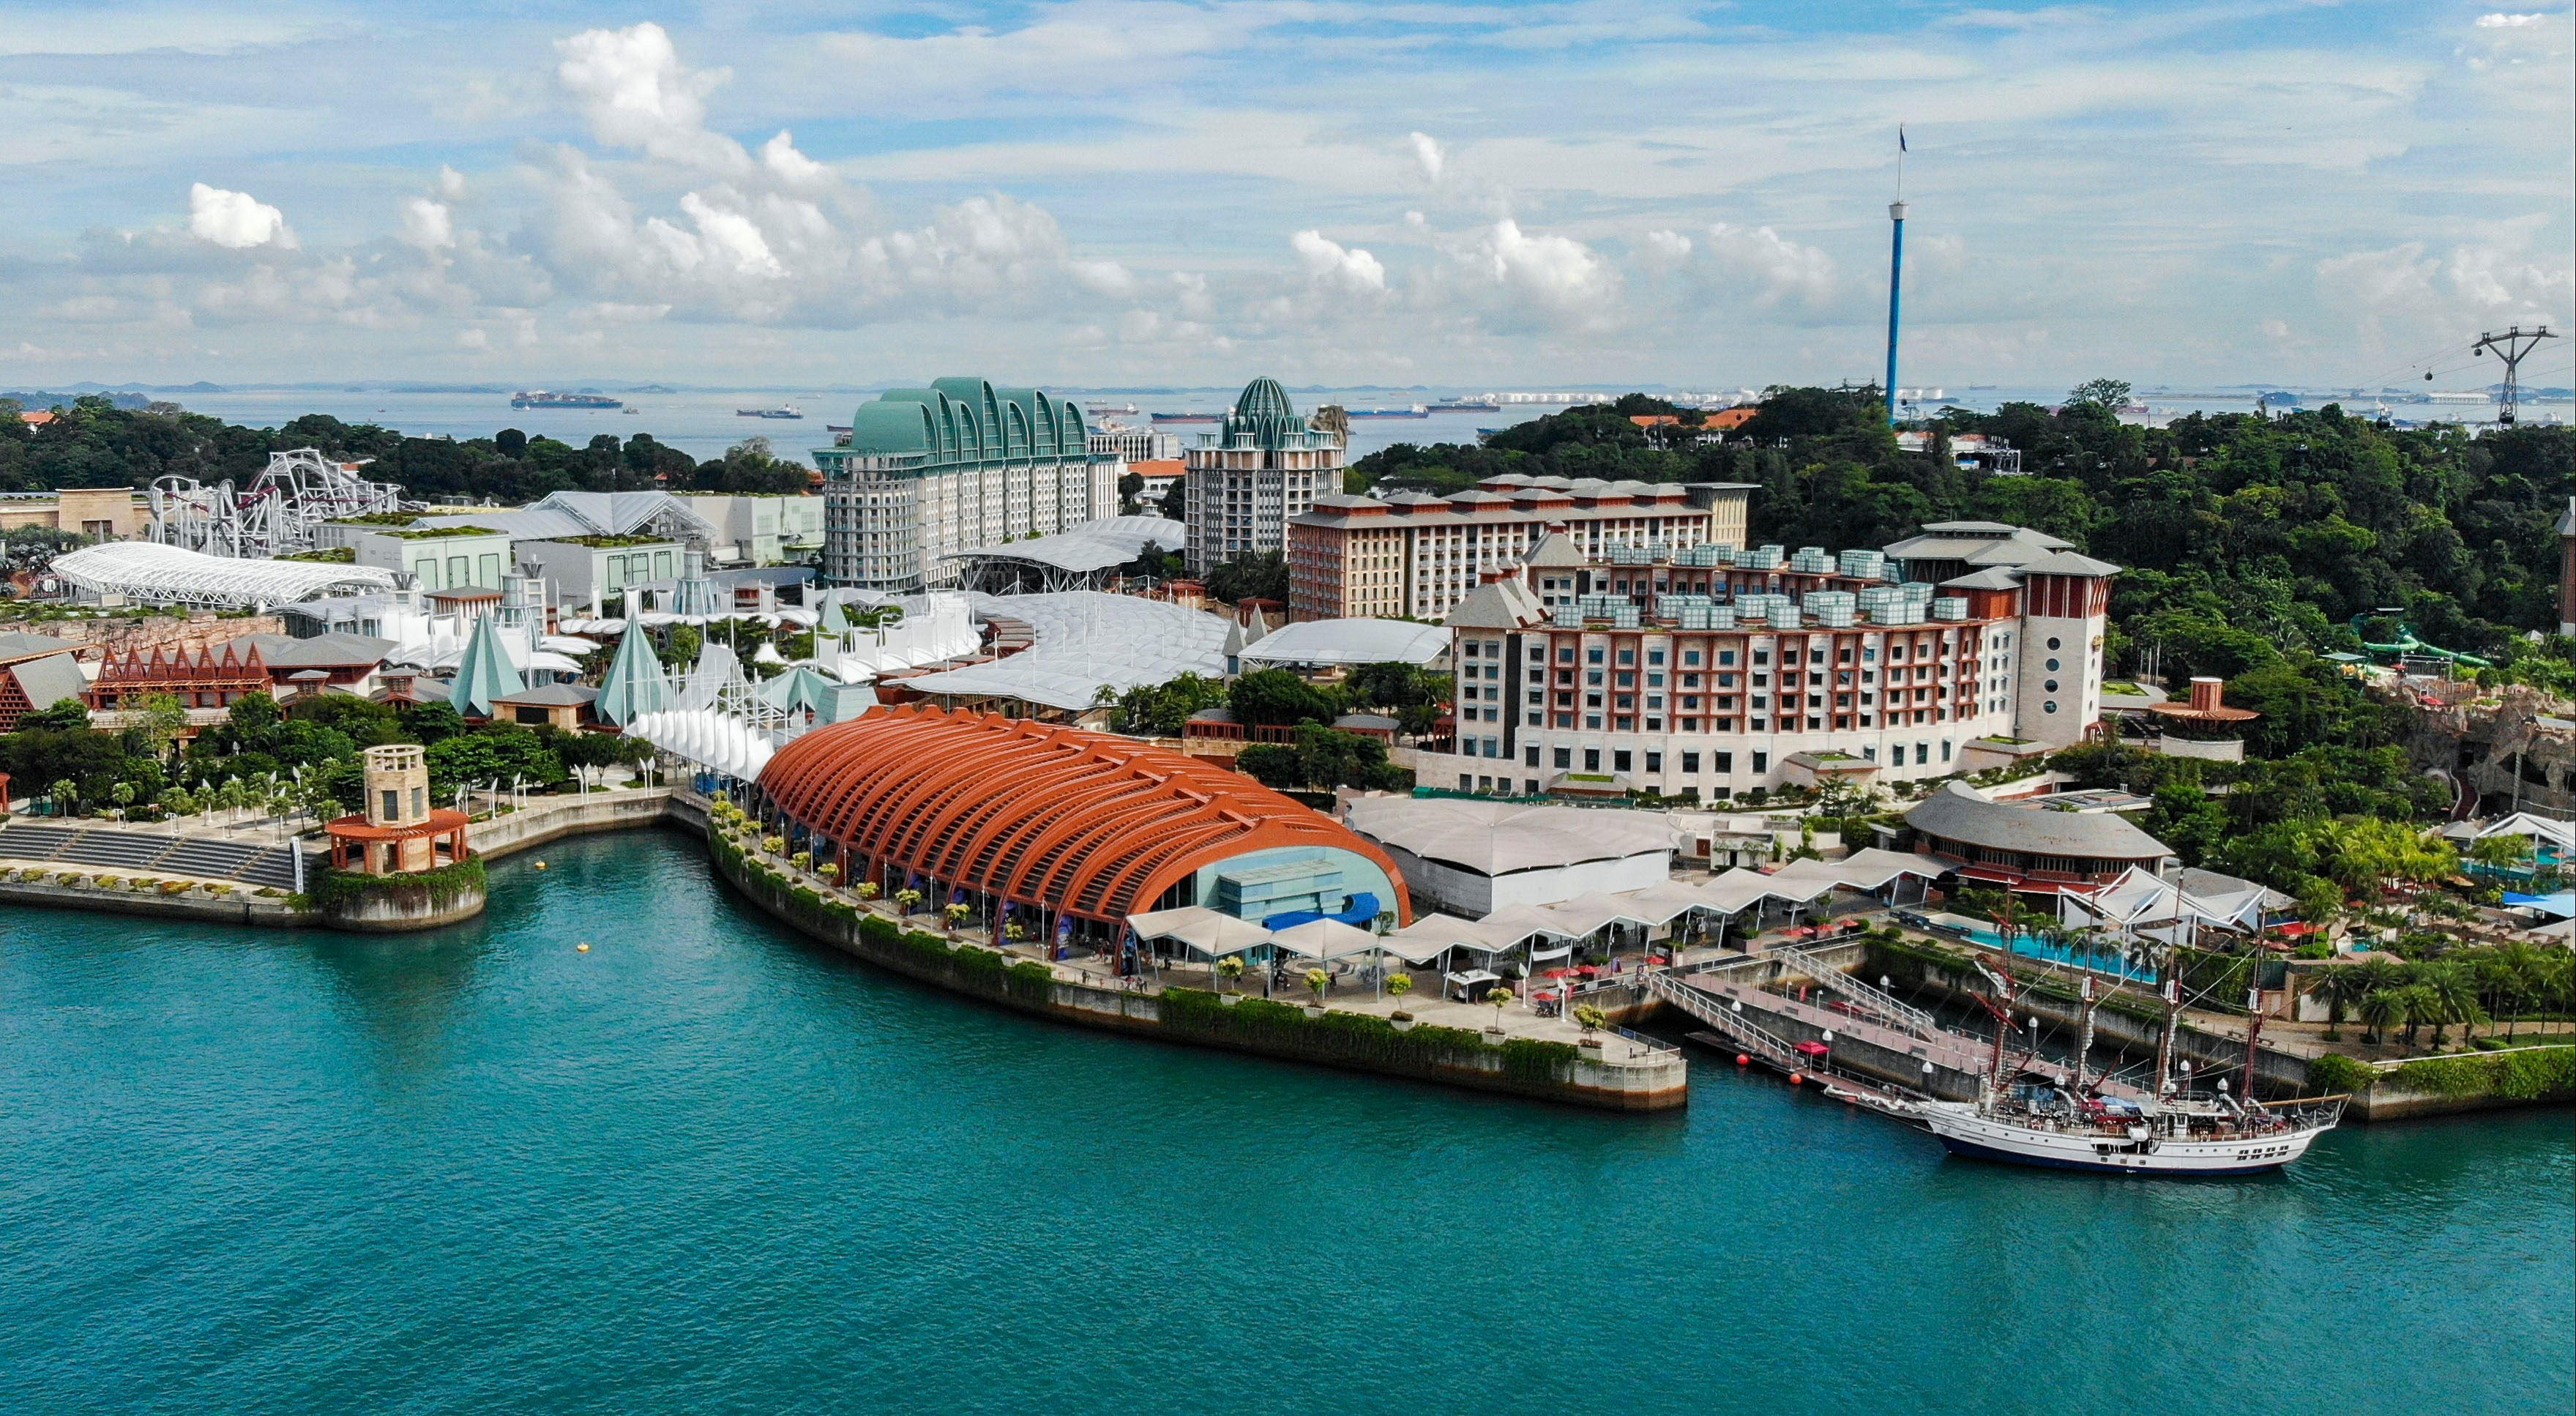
(2172, 998)
(2084, 1039)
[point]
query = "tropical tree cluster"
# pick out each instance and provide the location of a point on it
(92, 442)
(2467, 988)
(298, 759)
(2251, 542)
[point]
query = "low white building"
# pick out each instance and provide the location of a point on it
(758, 530)
(1471, 858)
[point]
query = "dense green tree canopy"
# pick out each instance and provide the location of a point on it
(93, 443)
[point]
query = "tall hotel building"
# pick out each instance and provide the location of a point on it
(929, 472)
(1244, 482)
(1710, 671)
(1417, 555)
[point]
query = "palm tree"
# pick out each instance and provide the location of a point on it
(2506, 971)
(2380, 1010)
(2341, 987)
(2451, 991)
(2553, 979)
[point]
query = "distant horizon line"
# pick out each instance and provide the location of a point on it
(613, 386)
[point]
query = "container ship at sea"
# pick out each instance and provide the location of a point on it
(1415, 411)
(540, 398)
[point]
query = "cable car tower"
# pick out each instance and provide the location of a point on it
(2510, 346)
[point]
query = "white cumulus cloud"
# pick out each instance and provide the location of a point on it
(1427, 152)
(1558, 272)
(635, 93)
(428, 224)
(1777, 267)
(794, 168)
(2504, 21)
(1328, 262)
(236, 221)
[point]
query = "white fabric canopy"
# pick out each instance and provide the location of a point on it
(1212, 933)
(1428, 937)
(1324, 939)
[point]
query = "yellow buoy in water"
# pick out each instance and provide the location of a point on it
(541, 865)
(581, 948)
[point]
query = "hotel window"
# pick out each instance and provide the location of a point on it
(1726, 656)
(1591, 759)
(1762, 762)
(1690, 763)
(1654, 762)
(1870, 752)
(1564, 758)
(1529, 755)
(1690, 656)
(1592, 656)
(1656, 656)
(1620, 759)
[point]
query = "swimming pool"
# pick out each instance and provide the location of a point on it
(2027, 946)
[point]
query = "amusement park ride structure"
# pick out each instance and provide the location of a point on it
(277, 514)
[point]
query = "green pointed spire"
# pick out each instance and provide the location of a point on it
(635, 684)
(484, 674)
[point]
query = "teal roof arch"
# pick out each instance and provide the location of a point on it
(1263, 415)
(967, 420)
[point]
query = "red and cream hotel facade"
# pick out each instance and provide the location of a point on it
(1416, 555)
(1584, 695)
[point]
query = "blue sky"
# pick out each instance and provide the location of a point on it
(1109, 191)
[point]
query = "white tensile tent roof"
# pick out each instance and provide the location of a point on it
(170, 575)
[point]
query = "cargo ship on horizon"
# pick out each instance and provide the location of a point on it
(541, 398)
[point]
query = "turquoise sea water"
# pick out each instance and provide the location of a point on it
(707, 1167)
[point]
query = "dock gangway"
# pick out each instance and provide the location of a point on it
(1872, 1003)
(1729, 1022)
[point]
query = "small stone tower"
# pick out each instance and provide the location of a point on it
(397, 778)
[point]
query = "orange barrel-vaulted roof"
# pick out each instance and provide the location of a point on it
(1083, 823)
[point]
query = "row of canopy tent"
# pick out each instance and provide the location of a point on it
(1550, 930)
(2169, 910)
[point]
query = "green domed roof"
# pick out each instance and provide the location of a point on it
(1264, 413)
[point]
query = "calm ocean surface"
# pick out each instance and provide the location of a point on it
(708, 1167)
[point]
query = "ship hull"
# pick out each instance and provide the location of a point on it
(1967, 1134)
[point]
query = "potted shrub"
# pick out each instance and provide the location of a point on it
(957, 914)
(1398, 985)
(773, 844)
(1317, 982)
(802, 860)
(869, 890)
(828, 871)
(1230, 968)
(907, 898)
(1501, 998)
(1591, 1019)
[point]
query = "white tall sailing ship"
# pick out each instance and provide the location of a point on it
(2036, 1118)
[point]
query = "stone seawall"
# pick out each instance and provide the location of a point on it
(1351, 1041)
(2470, 1081)
(555, 818)
(264, 913)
